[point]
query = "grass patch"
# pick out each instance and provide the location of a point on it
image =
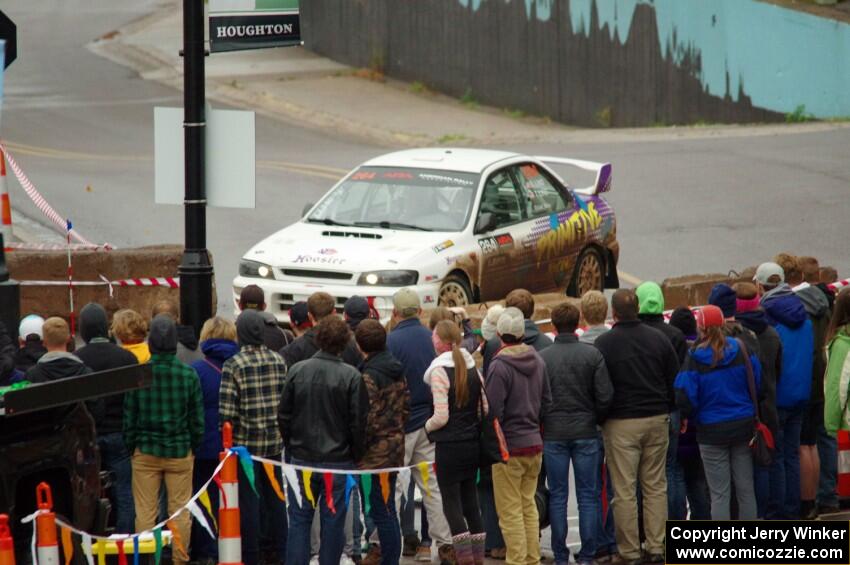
(451, 138)
(468, 99)
(514, 113)
(799, 115)
(603, 117)
(419, 87)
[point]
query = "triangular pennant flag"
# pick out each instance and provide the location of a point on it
(306, 476)
(477, 476)
(384, 478)
(135, 550)
(217, 481)
(329, 491)
(404, 478)
(87, 551)
(292, 480)
(157, 548)
(247, 466)
(67, 545)
(423, 470)
(198, 514)
(350, 484)
(101, 552)
(204, 499)
(122, 557)
(366, 483)
(270, 473)
(176, 539)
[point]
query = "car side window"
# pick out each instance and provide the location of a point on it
(502, 199)
(540, 195)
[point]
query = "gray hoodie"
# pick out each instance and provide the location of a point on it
(518, 394)
(817, 307)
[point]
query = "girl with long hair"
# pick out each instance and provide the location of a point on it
(455, 427)
(836, 384)
(713, 386)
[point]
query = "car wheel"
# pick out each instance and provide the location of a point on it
(589, 273)
(455, 292)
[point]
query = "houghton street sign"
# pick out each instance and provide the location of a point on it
(253, 24)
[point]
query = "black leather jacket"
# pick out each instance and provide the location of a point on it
(581, 390)
(323, 411)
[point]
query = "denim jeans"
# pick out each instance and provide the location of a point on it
(115, 458)
(386, 522)
(828, 451)
(584, 455)
(487, 501)
(676, 492)
(202, 545)
(256, 507)
(605, 540)
(354, 525)
(784, 501)
(301, 518)
(408, 516)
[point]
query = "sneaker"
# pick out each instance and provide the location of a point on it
(410, 546)
(373, 556)
(314, 560)
(346, 560)
(446, 554)
(423, 554)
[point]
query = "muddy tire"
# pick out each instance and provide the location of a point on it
(455, 291)
(588, 274)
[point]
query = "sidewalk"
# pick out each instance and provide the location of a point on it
(298, 86)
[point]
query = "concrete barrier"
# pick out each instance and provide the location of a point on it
(151, 261)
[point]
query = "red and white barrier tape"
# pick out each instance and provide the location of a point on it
(15, 245)
(168, 282)
(39, 200)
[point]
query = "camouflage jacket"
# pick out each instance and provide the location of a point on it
(389, 408)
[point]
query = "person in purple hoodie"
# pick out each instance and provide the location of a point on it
(519, 395)
(787, 314)
(218, 344)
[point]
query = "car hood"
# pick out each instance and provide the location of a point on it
(317, 246)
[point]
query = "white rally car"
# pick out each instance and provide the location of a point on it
(456, 225)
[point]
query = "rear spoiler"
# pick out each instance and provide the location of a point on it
(603, 173)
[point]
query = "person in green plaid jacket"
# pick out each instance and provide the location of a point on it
(163, 425)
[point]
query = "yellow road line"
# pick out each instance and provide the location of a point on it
(631, 279)
(306, 169)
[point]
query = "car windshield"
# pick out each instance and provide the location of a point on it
(400, 198)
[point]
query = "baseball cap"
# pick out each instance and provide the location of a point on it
(356, 308)
(406, 302)
(298, 314)
(511, 322)
(31, 324)
(488, 324)
(252, 297)
(709, 317)
(768, 271)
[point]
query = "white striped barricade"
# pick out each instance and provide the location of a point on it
(229, 535)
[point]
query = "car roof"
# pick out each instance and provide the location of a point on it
(442, 158)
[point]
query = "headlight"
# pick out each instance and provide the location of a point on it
(255, 269)
(389, 278)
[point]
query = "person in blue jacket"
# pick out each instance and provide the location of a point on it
(218, 344)
(712, 390)
(787, 314)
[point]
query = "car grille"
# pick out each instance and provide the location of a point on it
(312, 274)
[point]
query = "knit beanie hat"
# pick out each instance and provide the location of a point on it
(709, 317)
(723, 297)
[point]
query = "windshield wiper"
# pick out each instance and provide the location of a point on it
(393, 225)
(328, 222)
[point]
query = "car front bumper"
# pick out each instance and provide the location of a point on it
(281, 295)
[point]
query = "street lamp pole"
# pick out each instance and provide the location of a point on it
(196, 271)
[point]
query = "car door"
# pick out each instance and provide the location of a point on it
(504, 260)
(553, 241)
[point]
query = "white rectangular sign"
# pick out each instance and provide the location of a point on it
(230, 157)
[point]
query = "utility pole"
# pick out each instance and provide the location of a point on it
(196, 272)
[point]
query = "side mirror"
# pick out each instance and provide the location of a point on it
(306, 209)
(486, 221)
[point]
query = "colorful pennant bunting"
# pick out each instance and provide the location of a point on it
(423, 470)
(247, 466)
(67, 545)
(329, 491)
(366, 483)
(307, 477)
(157, 548)
(204, 499)
(122, 557)
(199, 516)
(384, 478)
(270, 473)
(292, 480)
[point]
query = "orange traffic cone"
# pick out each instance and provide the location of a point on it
(47, 547)
(7, 546)
(229, 535)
